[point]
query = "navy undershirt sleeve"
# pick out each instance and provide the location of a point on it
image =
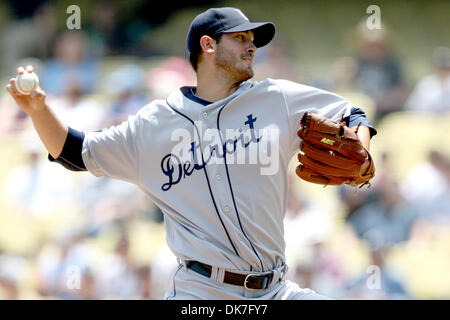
(70, 156)
(358, 116)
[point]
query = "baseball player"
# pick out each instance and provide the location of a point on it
(200, 156)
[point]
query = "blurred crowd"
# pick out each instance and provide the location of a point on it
(66, 235)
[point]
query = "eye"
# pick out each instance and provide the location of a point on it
(241, 37)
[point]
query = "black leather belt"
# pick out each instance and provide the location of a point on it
(249, 281)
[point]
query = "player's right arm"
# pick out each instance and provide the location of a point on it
(51, 130)
(112, 152)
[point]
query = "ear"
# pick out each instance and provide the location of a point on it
(208, 44)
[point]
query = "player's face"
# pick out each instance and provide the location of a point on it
(235, 53)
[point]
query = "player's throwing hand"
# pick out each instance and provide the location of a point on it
(31, 103)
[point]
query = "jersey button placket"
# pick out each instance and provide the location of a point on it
(219, 182)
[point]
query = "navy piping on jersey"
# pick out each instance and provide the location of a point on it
(188, 93)
(173, 281)
(70, 157)
(207, 179)
(232, 193)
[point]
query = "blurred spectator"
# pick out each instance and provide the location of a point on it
(103, 30)
(117, 277)
(71, 68)
(46, 264)
(379, 74)
(81, 112)
(303, 273)
(126, 88)
(171, 74)
(353, 199)
(432, 93)
(274, 62)
(113, 33)
(380, 282)
(307, 227)
(388, 218)
(12, 271)
(75, 267)
(427, 186)
(68, 79)
(119, 200)
(88, 289)
(305, 223)
(12, 119)
(29, 35)
(344, 83)
(145, 283)
(64, 270)
(320, 270)
(30, 186)
(369, 210)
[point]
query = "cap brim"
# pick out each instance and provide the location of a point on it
(264, 31)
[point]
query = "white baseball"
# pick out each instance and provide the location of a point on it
(26, 82)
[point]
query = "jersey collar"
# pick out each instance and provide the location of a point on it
(183, 96)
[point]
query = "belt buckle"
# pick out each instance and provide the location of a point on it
(246, 280)
(266, 280)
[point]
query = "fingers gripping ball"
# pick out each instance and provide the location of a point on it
(332, 153)
(27, 82)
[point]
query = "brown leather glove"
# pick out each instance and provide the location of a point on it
(332, 153)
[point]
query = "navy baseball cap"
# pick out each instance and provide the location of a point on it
(226, 20)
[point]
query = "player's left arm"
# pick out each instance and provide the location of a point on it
(357, 118)
(300, 98)
(364, 136)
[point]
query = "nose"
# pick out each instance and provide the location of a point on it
(251, 48)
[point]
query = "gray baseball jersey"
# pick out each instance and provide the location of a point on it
(217, 170)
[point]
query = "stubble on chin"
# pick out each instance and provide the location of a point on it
(238, 70)
(249, 72)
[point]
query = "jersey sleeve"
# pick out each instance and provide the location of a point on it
(300, 98)
(113, 152)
